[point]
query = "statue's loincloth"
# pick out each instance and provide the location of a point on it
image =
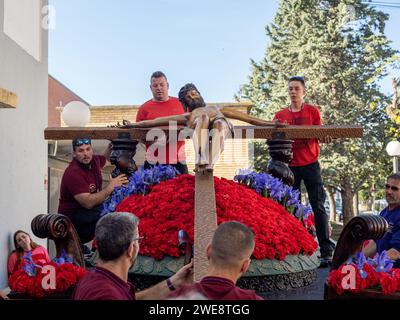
(221, 117)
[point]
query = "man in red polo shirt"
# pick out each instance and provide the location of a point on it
(229, 257)
(81, 192)
(117, 239)
(305, 165)
(162, 105)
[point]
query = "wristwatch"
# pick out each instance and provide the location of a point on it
(170, 285)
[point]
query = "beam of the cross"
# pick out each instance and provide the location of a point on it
(205, 221)
(205, 208)
(242, 132)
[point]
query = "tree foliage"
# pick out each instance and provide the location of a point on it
(340, 48)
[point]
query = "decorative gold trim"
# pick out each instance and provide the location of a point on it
(8, 99)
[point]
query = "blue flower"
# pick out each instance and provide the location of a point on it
(360, 261)
(29, 266)
(381, 262)
(63, 258)
(272, 187)
(139, 183)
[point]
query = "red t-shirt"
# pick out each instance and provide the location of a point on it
(305, 151)
(170, 153)
(40, 256)
(101, 284)
(79, 179)
(216, 288)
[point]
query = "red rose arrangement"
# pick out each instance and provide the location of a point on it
(169, 207)
(364, 274)
(67, 276)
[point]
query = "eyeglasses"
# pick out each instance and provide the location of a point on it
(393, 188)
(80, 141)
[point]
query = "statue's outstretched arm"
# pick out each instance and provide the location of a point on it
(181, 119)
(237, 115)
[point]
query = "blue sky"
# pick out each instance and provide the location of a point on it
(105, 51)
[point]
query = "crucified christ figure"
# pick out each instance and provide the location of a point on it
(209, 123)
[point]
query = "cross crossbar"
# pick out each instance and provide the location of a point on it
(241, 132)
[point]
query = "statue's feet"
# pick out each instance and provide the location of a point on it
(209, 168)
(200, 168)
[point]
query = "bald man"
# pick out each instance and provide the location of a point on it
(229, 257)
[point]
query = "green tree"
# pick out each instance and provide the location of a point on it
(341, 49)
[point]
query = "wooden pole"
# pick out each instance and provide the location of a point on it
(205, 221)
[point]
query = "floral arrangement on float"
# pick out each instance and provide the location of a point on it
(359, 274)
(29, 279)
(164, 203)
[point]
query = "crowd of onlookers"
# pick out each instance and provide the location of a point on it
(117, 242)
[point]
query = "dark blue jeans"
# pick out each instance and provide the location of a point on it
(84, 221)
(311, 175)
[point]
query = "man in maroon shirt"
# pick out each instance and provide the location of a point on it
(117, 239)
(305, 165)
(162, 105)
(229, 257)
(81, 192)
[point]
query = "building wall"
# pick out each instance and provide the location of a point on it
(235, 155)
(23, 156)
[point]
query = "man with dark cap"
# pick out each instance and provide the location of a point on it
(81, 192)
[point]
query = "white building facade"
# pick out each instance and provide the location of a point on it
(23, 155)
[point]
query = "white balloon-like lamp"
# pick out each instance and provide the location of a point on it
(393, 150)
(76, 114)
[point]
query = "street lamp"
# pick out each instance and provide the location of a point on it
(393, 150)
(76, 114)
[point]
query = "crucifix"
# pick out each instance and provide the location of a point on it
(205, 209)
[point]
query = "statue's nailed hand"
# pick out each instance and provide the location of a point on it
(128, 124)
(124, 124)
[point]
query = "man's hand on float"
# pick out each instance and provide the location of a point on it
(4, 296)
(183, 276)
(118, 181)
(327, 139)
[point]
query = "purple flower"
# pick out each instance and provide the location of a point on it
(381, 262)
(29, 266)
(271, 187)
(63, 258)
(139, 183)
(360, 261)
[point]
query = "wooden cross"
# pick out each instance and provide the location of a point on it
(205, 220)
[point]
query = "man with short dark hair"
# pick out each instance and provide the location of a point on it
(229, 256)
(117, 238)
(305, 165)
(391, 240)
(81, 192)
(162, 105)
